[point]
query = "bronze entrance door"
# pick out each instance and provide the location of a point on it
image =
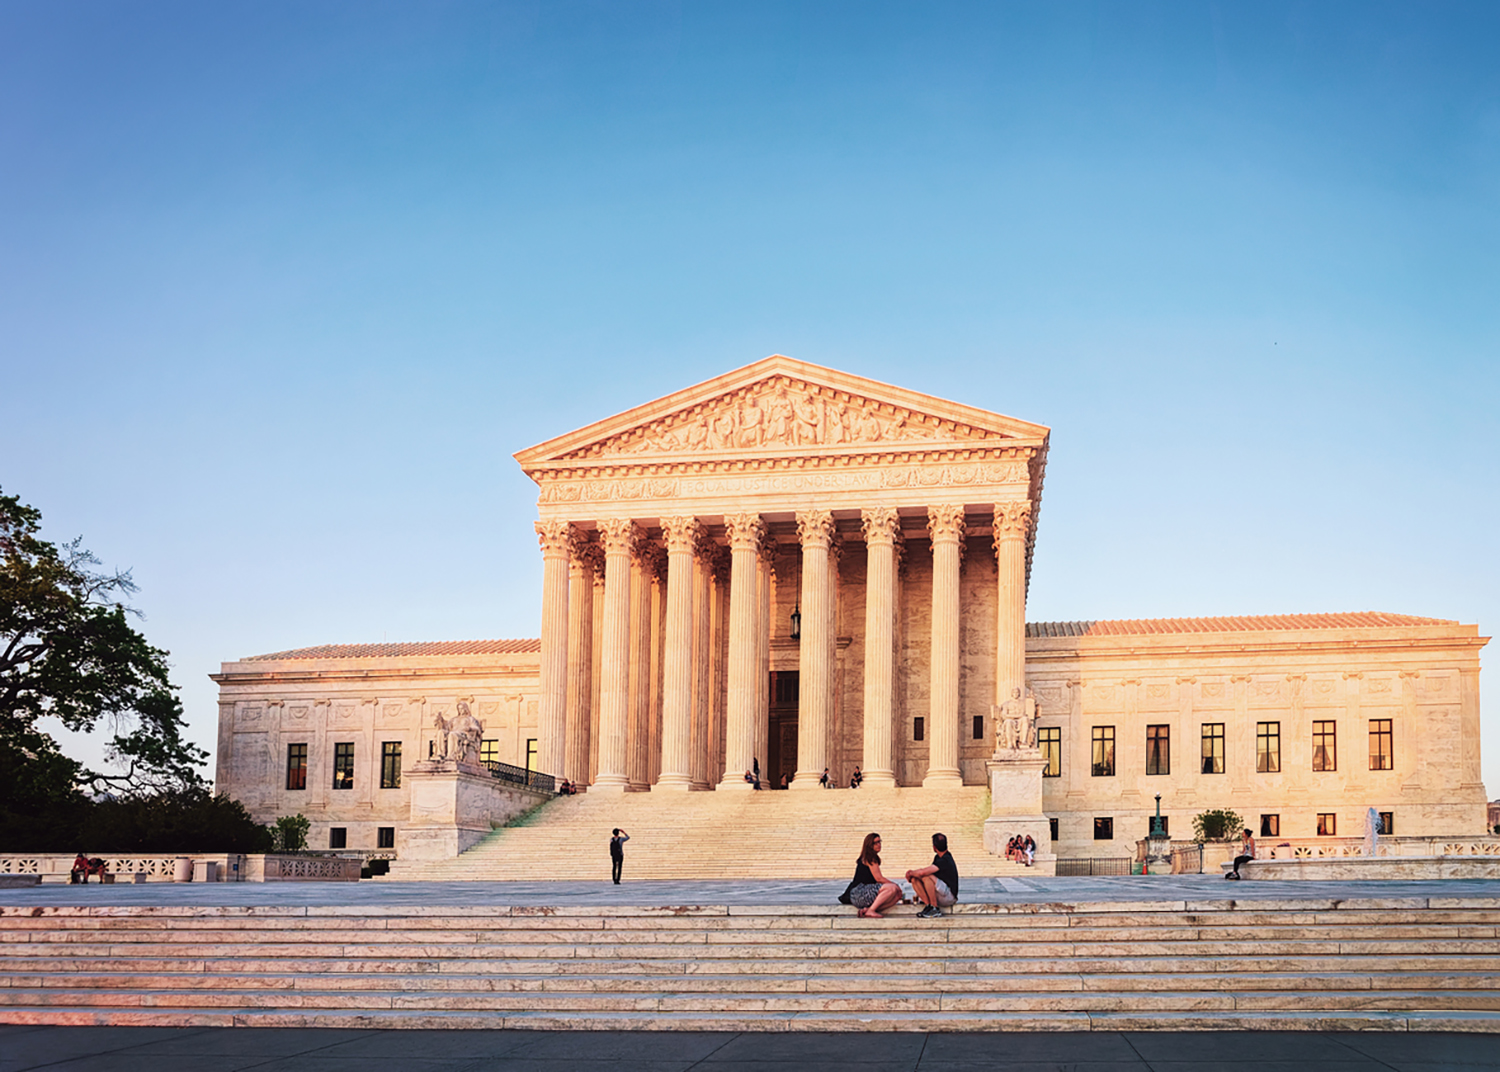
(782, 740)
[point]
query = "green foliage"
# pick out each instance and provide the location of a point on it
(289, 833)
(68, 651)
(191, 820)
(1219, 824)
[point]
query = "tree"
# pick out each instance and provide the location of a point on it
(1219, 824)
(67, 649)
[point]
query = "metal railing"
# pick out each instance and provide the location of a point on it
(1187, 859)
(508, 772)
(1085, 866)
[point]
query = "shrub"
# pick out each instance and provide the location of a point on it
(289, 833)
(1220, 824)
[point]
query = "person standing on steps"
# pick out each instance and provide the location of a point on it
(1247, 853)
(617, 853)
(936, 885)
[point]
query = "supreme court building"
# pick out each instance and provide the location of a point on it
(791, 568)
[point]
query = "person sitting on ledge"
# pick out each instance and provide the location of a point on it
(785, 781)
(856, 778)
(825, 781)
(870, 891)
(936, 886)
(751, 779)
(83, 867)
(1247, 853)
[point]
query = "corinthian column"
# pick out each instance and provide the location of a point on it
(556, 538)
(1012, 522)
(703, 605)
(881, 526)
(580, 660)
(620, 537)
(745, 532)
(946, 524)
(815, 669)
(681, 535)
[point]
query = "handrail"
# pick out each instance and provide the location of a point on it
(508, 772)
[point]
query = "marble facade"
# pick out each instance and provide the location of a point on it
(681, 540)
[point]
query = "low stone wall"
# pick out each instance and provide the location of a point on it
(1372, 867)
(162, 867)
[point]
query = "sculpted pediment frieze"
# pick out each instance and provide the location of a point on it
(782, 413)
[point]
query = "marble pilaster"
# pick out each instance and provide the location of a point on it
(745, 532)
(881, 526)
(946, 526)
(815, 669)
(681, 535)
(552, 731)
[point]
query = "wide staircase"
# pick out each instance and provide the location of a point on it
(1393, 965)
(770, 834)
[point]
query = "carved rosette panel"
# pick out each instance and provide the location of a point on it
(745, 531)
(815, 528)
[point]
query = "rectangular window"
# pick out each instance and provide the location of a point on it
(1213, 748)
(296, 766)
(531, 753)
(1325, 746)
(784, 687)
(1327, 825)
(390, 765)
(1104, 829)
(338, 837)
(343, 765)
(1103, 765)
(1270, 826)
(489, 751)
(1158, 749)
(1388, 823)
(385, 837)
(978, 727)
(1049, 740)
(918, 724)
(1381, 753)
(1053, 824)
(1268, 747)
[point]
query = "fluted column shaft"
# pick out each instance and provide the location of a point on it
(681, 534)
(763, 658)
(946, 525)
(703, 605)
(1012, 523)
(638, 736)
(556, 538)
(620, 536)
(880, 527)
(580, 662)
(745, 533)
(815, 670)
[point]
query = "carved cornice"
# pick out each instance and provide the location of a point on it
(815, 528)
(881, 525)
(681, 533)
(745, 532)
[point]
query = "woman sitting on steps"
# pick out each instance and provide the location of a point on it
(870, 891)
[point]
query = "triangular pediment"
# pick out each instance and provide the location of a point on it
(779, 406)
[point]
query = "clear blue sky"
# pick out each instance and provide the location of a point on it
(282, 286)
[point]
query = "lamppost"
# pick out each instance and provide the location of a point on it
(797, 621)
(1158, 844)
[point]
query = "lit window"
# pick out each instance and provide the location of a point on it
(1213, 748)
(1268, 747)
(1387, 823)
(1158, 750)
(343, 766)
(1270, 826)
(296, 766)
(1049, 740)
(1103, 765)
(390, 765)
(489, 751)
(1381, 753)
(1327, 824)
(1325, 746)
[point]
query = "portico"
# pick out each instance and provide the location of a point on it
(683, 538)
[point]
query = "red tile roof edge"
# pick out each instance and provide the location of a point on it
(525, 646)
(1257, 623)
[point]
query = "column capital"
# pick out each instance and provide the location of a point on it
(767, 548)
(620, 535)
(946, 523)
(815, 528)
(681, 533)
(556, 537)
(586, 552)
(1012, 521)
(745, 531)
(881, 525)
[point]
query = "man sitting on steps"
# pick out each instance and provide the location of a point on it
(936, 885)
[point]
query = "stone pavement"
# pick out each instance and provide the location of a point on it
(128, 1049)
(1039, 890)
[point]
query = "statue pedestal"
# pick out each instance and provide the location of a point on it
(1016, 805)
(454, 805)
